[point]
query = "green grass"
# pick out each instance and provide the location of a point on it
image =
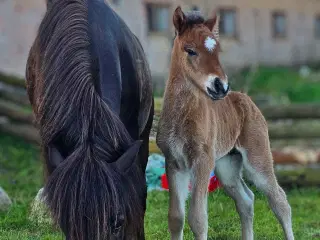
(158, 103)
(21, 177)
(282, 82)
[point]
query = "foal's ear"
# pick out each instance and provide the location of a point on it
(179, 20)
(213, 24)
(128, 158)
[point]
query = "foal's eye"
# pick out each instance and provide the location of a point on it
(190, 51)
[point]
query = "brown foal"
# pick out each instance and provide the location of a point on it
(204, 126)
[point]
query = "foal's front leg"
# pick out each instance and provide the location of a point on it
(178, 180)
(198, 216)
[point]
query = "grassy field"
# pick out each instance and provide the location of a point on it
(21, 176)
(281, 82)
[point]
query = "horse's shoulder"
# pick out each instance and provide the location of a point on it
(245, 106)
(239, 98)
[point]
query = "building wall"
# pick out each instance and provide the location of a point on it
(132, 12)
(159, 44)
(255, 42)
(19, 21)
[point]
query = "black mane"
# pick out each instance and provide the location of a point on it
(194, 18)
(93, 105)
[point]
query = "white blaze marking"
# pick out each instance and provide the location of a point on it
(210, 44)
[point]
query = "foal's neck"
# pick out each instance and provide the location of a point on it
(183, 86)
(183, 94)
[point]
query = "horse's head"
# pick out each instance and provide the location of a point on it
(197, 48)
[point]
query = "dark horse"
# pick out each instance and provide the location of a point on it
(90, 88)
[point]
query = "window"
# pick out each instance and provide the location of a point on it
(279, 25)
(227, 26)
(317, 27)
(158, 17)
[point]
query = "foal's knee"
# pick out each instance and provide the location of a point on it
(198, 221)
(278, 200)
(176, 221)
(244, 200)
(249, 201)
(248, 207)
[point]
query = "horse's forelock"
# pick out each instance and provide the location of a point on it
(194, 18)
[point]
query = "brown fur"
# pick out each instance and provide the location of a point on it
(196, 134)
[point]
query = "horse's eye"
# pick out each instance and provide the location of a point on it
(190, 52)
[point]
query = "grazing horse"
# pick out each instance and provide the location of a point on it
(90, 88)
(212, 128)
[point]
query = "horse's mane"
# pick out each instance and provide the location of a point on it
(194, 18)
(67, 79)
(85, 192)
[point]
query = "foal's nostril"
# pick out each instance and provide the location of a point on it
(217, 84)
(220, 86)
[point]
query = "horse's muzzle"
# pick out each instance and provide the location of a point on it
(218, 89)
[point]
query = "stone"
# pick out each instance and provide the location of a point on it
(5, 201)
(39, 211)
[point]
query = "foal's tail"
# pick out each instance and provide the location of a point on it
(94, 188)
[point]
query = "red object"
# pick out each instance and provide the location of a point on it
(164, 182)
(213, 184)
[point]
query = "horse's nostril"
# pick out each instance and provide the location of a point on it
(218, 84)
(217, 89)
(216, 80)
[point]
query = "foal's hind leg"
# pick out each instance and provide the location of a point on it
(259, 165)
(228, 170)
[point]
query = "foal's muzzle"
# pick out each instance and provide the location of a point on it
(218, 89)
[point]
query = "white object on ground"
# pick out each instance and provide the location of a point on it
(5, 201)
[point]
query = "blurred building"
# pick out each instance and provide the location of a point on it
(273, 32)
(19, 20)
(270, 32)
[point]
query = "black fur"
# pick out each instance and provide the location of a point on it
(194, 18)
(91, 114)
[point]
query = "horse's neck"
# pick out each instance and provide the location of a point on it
(182, 95)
